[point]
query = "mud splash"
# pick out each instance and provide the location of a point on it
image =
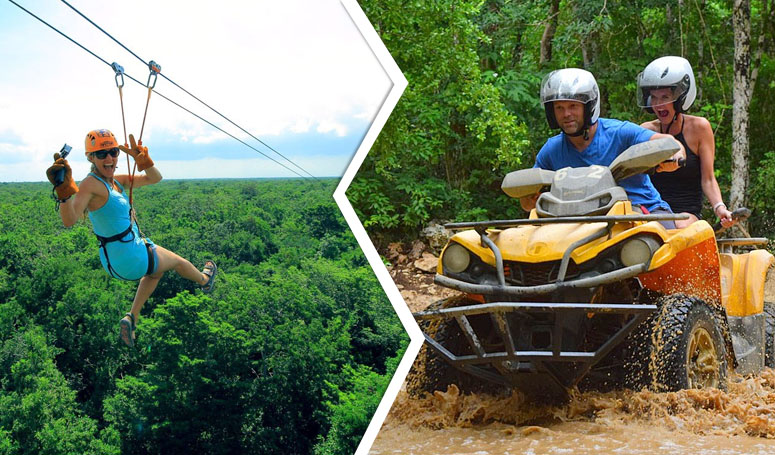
(710, 421)
(701, 422)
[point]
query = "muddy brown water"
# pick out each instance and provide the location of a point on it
(700, 422)
(739, 421)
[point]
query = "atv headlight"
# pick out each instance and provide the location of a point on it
(456, 258)
(638, 250)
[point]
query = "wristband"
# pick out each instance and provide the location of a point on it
(717, 205)
(59, 201)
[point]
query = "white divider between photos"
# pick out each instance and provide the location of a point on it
(416, 339)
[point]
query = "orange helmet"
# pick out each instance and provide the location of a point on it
(98, 140)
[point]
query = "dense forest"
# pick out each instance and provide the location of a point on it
(290, 354)
(471, 112)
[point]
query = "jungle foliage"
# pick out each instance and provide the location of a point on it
(471, 111)
(290, 353)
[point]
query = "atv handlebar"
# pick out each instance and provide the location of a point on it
(740, 214)
(681, 163)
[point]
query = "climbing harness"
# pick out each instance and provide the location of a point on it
(155, 70)
(118, 238)
(119, 70)
(128, 235)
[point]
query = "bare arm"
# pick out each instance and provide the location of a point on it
(528, 203)
(707, 153)
(73, 208)
(652, 125)
(679, 155)
(151, 176)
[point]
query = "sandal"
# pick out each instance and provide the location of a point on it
(210, 270)
(128, 329)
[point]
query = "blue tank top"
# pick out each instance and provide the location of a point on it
(113, 217)
(126, 258)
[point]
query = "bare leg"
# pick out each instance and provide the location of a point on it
(146, 287)
(167, 261)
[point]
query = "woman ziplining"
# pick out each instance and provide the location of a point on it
(102, 194)
(124, 253)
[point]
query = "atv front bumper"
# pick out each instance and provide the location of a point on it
(507, 365)
(505, 289)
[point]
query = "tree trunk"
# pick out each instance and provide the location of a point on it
(699, 74)
(548, 36)
(741, 21)
(746, 73)
(588, 53)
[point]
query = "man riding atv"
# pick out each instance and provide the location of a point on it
(590, 290)
(572, 102)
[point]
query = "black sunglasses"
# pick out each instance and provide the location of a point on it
(102, 154)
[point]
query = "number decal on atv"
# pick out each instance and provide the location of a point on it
(597, 172)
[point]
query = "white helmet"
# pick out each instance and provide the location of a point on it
(571, 84)
(668, 72)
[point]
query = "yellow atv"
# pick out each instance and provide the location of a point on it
(589, 291)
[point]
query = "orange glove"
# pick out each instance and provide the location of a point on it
(139, 153)
(68, 187)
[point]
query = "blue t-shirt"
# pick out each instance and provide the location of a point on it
(611, 139)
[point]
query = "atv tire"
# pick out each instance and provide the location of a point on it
(769, 334)
(637, 353)
(430, 372)
(688, 346)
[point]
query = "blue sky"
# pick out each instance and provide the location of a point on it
(295, 73)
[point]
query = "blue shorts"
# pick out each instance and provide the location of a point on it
(668, 224)
(129, 257)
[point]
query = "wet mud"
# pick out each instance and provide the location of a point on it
(740, 420)
(710, 421)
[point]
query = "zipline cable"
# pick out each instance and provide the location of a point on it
(213, 125)
(156, 91)
(181, 88)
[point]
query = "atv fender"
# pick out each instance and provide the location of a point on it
(742, 288)
(742, 281)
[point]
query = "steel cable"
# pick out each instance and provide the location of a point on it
(157, 92)
(183, 89)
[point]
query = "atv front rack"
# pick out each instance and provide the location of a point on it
(729, 244)
(504, 364)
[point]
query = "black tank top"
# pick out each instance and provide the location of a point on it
(682, 189)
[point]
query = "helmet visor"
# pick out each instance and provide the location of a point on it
(653, 96)
(555, 87)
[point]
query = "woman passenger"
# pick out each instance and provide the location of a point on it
(666, 88)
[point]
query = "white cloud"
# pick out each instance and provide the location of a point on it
(208, 139)
(327, 126)
(273, 67)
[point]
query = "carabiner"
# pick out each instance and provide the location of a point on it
(119, 73)
(155, 69)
